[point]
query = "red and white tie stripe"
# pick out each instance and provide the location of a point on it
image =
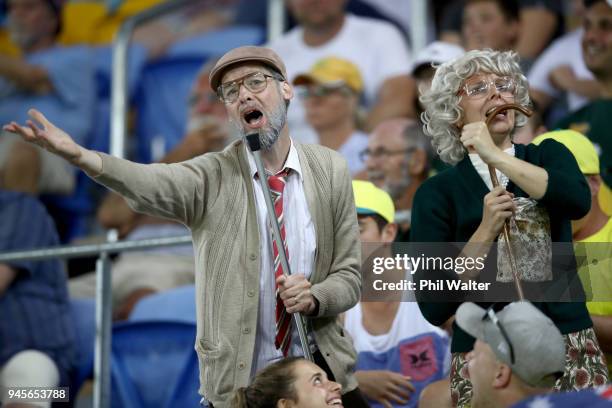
(283, 319)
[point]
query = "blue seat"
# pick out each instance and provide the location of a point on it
(176, 305)
(74, 213)
(84, 317)
(154, 364)
(165, 86)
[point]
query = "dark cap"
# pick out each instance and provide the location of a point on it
(249, 53)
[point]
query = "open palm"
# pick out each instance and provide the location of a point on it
(47, 136)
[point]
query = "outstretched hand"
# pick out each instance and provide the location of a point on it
(41, 132)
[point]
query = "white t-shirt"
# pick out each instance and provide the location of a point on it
(351, 151)
(377, 48)
(566, 50)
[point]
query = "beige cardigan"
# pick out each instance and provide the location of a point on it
(213, 195)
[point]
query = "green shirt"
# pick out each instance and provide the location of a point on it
(593, 120)
(448, 208)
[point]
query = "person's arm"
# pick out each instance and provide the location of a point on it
(174, 191)
(7, 276)
(114, 212)
(538, 25)
(209, 137)
(341, 289)
(532, 179)
(497, 208)
(432, 222)
(386, 387)
(563, 78)
(32, 78)
(603, 330)
(394, 100)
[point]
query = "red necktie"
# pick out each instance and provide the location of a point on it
(283, 319)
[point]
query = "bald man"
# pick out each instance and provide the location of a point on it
(398, 159)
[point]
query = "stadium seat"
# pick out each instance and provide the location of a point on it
(154, 364)
(84, 317)
(73, 213)
(177, 305)
(162, 97)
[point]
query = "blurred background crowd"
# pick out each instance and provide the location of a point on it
(358, 78)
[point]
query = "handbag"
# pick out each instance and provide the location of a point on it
(531, 242)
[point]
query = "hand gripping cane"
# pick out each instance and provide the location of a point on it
(298, 319)
(493, 174)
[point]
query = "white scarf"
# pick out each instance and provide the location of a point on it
(483, 169)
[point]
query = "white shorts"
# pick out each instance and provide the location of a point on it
(29, 368)
(138, 270)
(57, 176)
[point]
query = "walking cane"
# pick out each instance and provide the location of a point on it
(493, 174)
(298, 319)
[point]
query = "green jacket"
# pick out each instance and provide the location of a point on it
(448, 208)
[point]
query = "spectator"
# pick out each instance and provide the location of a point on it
(331, 94)
(539, 21)
(593, 233)
(490, 24)
(58, 79)
(292, 382)
(592, 120)
(424, 67)
(36, 331)
(533, 127)
(218, 197)
(399, 352)
(376, 47)
(560, 72)
(398, 159)
(138, 274)
(463, 92)
(519, 352)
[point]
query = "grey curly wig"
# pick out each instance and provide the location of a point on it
(441, 102)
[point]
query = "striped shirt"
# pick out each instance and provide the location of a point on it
(34, 308)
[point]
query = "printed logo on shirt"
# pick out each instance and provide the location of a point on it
(418, 358)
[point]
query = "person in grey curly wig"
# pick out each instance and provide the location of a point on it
(444, 111)
(461, 205)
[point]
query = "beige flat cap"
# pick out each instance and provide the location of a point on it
(246, 54)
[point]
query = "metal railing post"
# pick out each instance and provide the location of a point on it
(276, 19)
(104, 310)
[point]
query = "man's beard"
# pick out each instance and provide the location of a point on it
(269, 134)
(394, 189)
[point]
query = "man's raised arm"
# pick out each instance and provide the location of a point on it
(174, 191)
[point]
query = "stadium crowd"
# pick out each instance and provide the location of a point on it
(369, 144)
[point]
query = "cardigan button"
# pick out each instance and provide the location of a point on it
(246, 330)
(250, 293)
(252, 257)
(241, 365)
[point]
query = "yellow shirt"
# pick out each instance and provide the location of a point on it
(596, 273)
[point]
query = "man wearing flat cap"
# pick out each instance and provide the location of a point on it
(218, 196)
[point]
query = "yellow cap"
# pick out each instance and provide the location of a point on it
(605, 198)
(371, 200)
(578, 144)
(332, 71)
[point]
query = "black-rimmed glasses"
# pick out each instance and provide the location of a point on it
(490, 314)
(255, 82)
